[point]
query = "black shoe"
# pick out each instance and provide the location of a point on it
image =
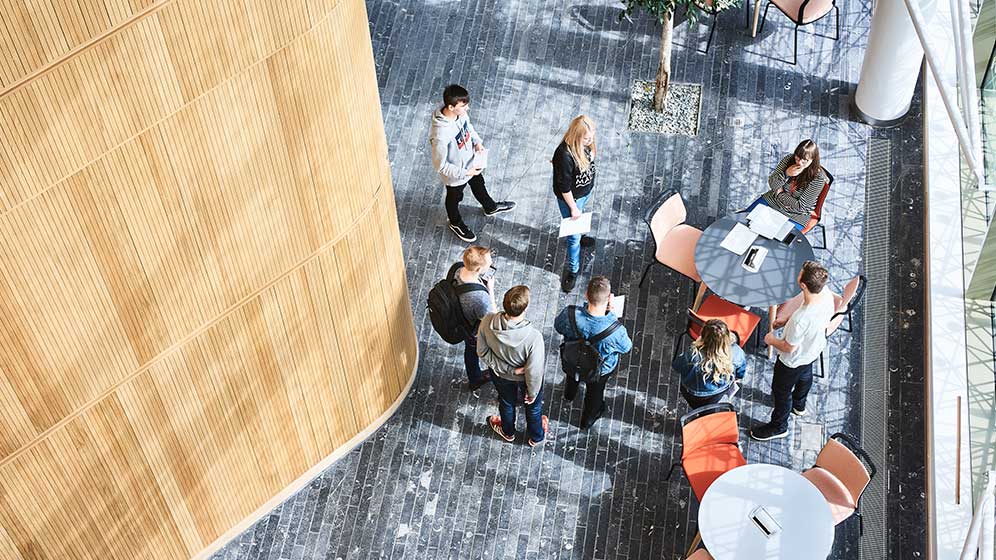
(587, 241)
(463, 232)
(568, 280)
(503, 206)
(799, 411)
(767, 432)
(484, 380)
(585, 424)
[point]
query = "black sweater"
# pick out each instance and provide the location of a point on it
(568, 177)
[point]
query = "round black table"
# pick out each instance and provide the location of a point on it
(775, 282)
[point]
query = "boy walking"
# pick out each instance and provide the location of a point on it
(513, 349)
(454, 145)
(592, 320)
(803, 341)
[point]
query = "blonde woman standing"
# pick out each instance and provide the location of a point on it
(573, 181)
(711, 366)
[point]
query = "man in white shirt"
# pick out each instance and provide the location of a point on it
(802, 342)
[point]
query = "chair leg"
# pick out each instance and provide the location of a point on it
(645, 271)
(861, 523)
(698, 296)
(823, 367)
(695, 543)
(764, 17)
(711, 31)
(671, 471)
(837, 13)
(795, 48)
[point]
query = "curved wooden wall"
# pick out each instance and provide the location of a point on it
(202, 291)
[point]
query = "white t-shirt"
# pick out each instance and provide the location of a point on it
(806, 330)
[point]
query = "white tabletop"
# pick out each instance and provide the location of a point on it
(794, 503)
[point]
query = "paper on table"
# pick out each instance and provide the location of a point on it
(739, 239)
(766, 221)
(784, 231)
(480, 159)
(617, 304)
(575, 227)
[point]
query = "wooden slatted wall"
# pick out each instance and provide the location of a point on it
(202, 290)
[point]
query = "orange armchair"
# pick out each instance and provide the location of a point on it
(710, 439)
(817, 214)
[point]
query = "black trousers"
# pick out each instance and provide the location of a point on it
(789, 388)
(455, 194)
(594, 396)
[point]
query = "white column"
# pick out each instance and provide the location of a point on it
(891, 65)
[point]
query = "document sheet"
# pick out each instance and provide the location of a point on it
(766, 221)
(480, 159)
(575, 227)
(739, 239)
(617, 304)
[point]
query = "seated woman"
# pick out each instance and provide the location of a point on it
(710, 368)
(796, 184)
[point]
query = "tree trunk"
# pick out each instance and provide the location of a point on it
(664, 68)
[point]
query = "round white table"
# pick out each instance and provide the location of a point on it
(787, 505)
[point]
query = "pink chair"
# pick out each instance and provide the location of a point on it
(803, 12)
(700, 554)
(674, 241)
(842, 472)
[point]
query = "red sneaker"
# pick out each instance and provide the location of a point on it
(495, 423)
(546, 428)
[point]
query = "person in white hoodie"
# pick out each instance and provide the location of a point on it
(513, 349)
(454, 146)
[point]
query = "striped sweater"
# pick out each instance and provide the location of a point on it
(800, 204)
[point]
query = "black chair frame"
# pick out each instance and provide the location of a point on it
(715, 17)
(819, 224)
(851, 443)
(798, 23)
(848, 312)
(647, 216)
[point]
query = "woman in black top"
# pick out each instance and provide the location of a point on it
(573, 180)
(796, 183)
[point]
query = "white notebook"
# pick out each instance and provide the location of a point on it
(575, 227)
(739, 239)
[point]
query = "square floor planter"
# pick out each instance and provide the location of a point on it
(681, 109)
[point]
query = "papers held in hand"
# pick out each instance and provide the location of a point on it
(575, 227)
(739, 239)
(480, 160)
(768, 222)
(618, 303)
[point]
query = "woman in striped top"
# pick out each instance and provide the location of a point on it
(796, 183)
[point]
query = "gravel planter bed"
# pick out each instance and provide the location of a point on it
(681, 111)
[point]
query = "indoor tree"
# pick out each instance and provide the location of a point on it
(663, 11)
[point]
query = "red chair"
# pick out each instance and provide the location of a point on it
(739, 320)
(674, 241)
(710, 446)
(816, 215)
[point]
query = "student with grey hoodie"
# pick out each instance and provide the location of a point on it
(454, 146)
(513, 349)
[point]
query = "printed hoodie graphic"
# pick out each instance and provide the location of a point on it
(452, 144)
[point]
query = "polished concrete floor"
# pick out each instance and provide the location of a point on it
(435, 482)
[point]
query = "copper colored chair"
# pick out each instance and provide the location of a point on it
(803, 12)
(842, 472)
(674, 241)
(739, 320)
(817, 214)
(700, 554)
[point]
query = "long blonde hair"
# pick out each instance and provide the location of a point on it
(713, 347)
(575, 132)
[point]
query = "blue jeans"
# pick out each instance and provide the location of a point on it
(470, 359)
(510, 395)
(760, 200)
(573, 241)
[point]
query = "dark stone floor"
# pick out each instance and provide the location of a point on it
(434, 482)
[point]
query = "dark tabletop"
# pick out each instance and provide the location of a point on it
(774, 283)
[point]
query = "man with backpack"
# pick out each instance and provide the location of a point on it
(513, 350)
(458, 302)
(593, 340)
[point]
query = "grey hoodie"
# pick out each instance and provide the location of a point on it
(504, 346)
(452, 144)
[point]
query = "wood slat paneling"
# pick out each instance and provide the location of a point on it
(202, 288)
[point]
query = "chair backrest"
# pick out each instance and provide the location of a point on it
(818, 211)
(848, 299)
(700, 554)
(840, 456)
(709, 424)
(665, 213)
(810, 10)
(696, 322)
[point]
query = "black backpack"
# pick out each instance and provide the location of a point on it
(580, 358)
(445, 310)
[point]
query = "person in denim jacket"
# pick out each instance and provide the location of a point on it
(710, 368)
(592, 319)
